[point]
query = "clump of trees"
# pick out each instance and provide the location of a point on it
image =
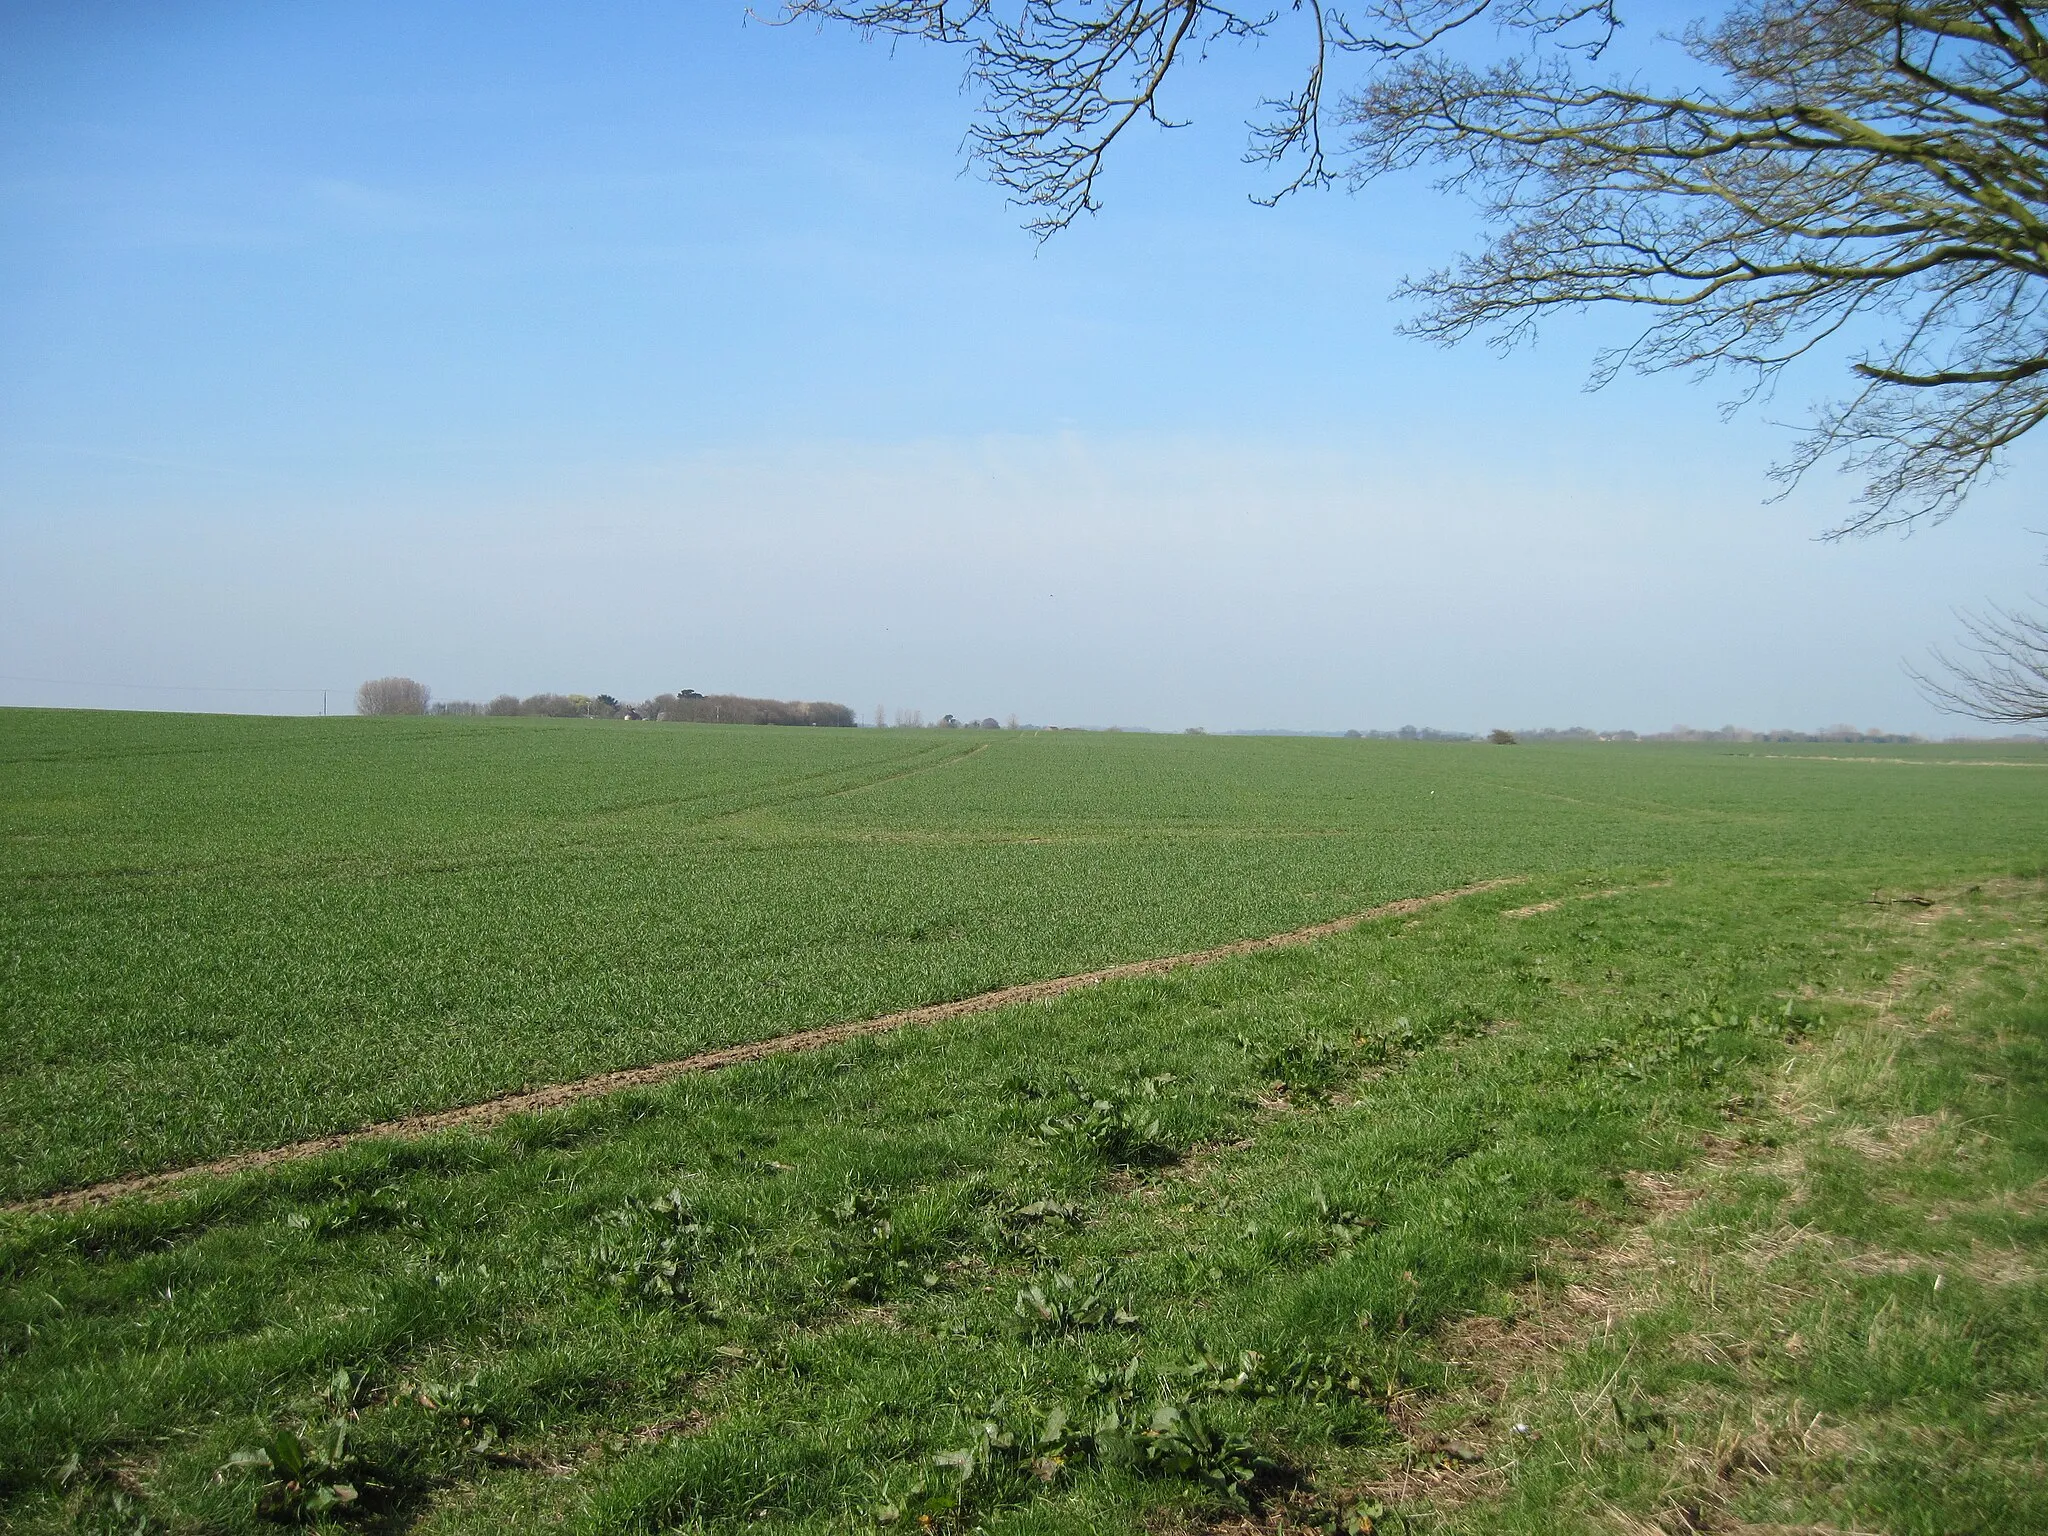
(1838, 734)
(553, 706)
(392, 696)
(732, 709)
(913, 720)
(684, 704)
(1411, 733)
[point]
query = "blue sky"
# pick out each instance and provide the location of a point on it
(629, 347)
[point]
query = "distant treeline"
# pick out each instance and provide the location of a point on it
(731, 709)
(684, 704)
(1411, 733)
(1838, 734)
(1829, 733)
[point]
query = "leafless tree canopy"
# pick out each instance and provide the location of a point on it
(391, 696)
(2007, 679)
(1858, 171)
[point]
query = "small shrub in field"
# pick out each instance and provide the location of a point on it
(651, 1252)
(1343, 1223)
(1181, 1441)
(1311, 1064)
(875, 1250)
(1117, 1127)
(1321, 1378)
(459, 1409)
(303, 1476)
(346, 1392)
(1026, 1228)
(1501, 738)
(1007, 1454)
(1067, 1304)
(1013, 1450)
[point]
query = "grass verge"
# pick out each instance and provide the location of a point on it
(1838, 1319)
(1187, 1251)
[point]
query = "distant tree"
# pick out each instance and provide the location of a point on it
(732, 709)
(391, 696)
(553, 706)
(2007, 679)
(1869, 170)
(1501, 738)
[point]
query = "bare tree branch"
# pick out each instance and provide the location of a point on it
(1867, 167)
(2008, 680)
(1061, 83)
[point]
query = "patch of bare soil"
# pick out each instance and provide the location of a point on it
(559, 1095)
(1552, 906)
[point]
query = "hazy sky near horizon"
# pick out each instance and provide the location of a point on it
(628, 347)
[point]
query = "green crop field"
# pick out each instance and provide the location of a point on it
(1698, 1181)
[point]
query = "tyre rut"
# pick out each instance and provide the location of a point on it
(559, 1095)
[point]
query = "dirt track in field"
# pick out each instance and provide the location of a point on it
(1552, 906)
(557, 1095)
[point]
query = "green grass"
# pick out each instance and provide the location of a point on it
(1155, 1256)
(499, 1256)
(224, 933)
(1849, 1330)
(1286, 1173)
